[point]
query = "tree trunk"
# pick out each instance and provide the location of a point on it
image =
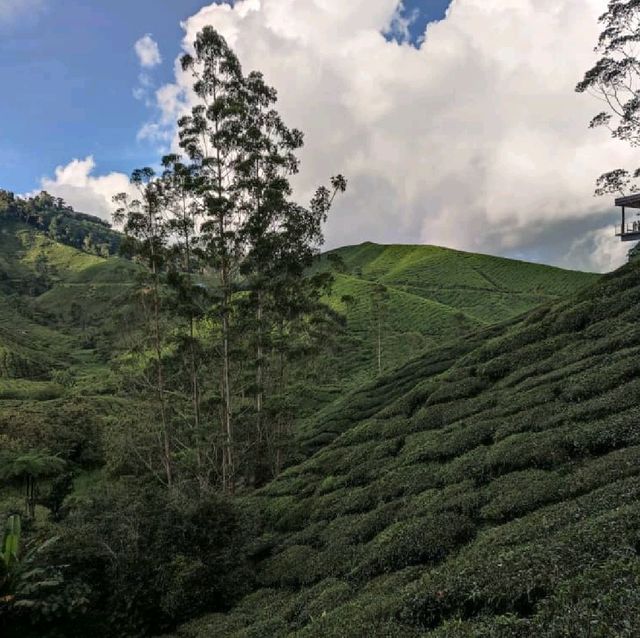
(166, 439)
(195, 385)
(229, 456)
(379, 345)
(228, 470)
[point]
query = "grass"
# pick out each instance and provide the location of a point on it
(489, 487)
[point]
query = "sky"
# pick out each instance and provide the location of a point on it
(455, 121)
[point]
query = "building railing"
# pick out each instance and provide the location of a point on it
(630, 228)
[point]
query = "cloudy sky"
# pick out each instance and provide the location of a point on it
(455, 121)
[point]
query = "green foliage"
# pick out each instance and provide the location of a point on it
(33, 592)
(53, 217)
(11, 542)
(152, 559)
(444, 448)
(493, 493)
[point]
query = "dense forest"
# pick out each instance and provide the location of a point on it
(60, 222)
(210, 428)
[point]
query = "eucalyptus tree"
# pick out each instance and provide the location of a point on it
(241, 157)
(147, 235)
(177, 187)
(279, 237)
(284, 298)
(615, 80)
(210, 136)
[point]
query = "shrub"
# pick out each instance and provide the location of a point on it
(517, 493)
(415, 541)
(295, 566)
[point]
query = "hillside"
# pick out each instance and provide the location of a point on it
(432, 295)
(58, 310)
(67, 300)
(57, 301)
(487, 488)
(68, 331)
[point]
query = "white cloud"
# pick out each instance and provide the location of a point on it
(148, 52)
(475, 140)
(596, 250)
(77, 185)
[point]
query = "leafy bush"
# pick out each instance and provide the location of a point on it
(415, 541)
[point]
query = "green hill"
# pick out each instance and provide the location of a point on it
(489, 487)
(55, 297)
(400, 473)
(433, 295)
(57, 306)
(65, 299)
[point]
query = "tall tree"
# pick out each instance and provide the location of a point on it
(177, 188)
(147, 234)
(242, 156)
(210, 137)
(615, 79)
(280, 238)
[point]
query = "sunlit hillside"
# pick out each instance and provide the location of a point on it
(487, 488)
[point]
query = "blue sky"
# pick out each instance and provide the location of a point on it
(69, 69)
(433, 139)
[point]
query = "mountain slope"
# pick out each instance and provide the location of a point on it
(429, 271)
(433, 295)
(488, 488)
(59, 316)
(57, 309)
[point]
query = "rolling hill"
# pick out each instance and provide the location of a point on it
(57, 309)
(57, 301)
(397, 471)
(61, 303)
(432, 295)
(489, 487)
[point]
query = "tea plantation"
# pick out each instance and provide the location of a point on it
(489, 487)
(408, 489)
(431, 295)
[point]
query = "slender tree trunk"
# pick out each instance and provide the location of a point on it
(228, 452)
(259, 369)
(379, 345)
(227, 400)
(27, 495)
(195, 394)
(195, 384)
(229, 456)
(166, 439)
(30, 496)
(262, 447)
(279, 421)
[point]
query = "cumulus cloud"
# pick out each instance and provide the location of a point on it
(78, 186)
(597, 251)
(475, 139)
(148, 52)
